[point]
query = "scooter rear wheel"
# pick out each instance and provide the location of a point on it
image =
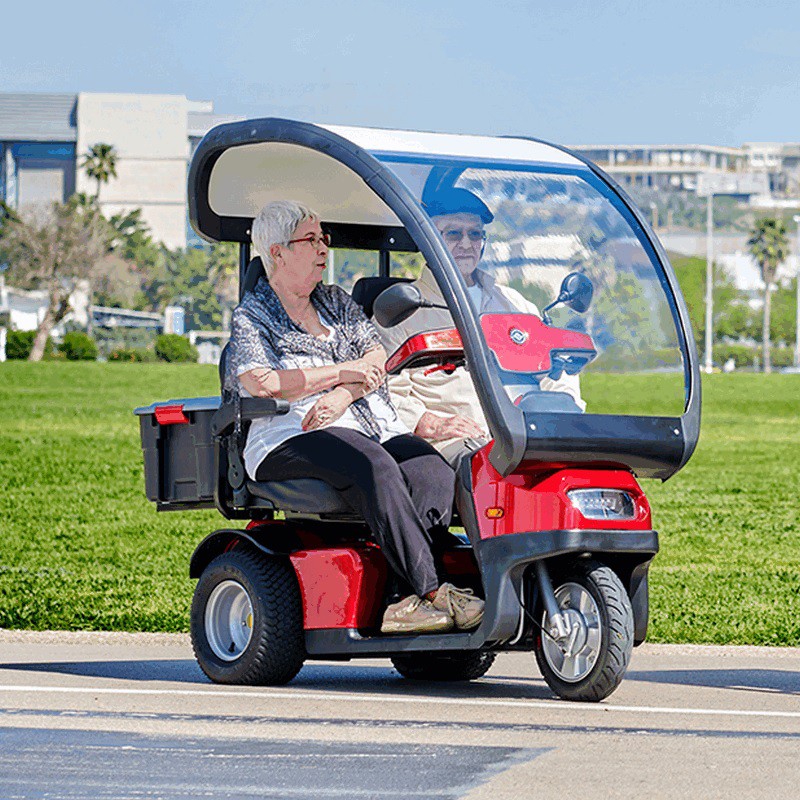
(458, 666)
(591, 662)
(247, 620)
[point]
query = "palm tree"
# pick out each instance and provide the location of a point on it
(769, 246)
(100, 164)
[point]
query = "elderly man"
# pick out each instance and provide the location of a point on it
(439, 407)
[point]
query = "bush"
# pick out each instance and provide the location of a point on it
(172, 347)
(745, 356)
(110, 339)
(133, 355)
(20, 343)
(78, 346)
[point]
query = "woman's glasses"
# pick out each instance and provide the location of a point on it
(314, 240)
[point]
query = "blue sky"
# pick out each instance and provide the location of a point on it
(571, 72)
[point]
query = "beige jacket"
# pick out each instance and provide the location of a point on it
(414, 393)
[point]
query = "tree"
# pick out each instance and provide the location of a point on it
(183, 278)
(100, 164)
(732, 314)
(52, 247)
(783, 323)
(223, 273)
(6, 213)
(769, 246)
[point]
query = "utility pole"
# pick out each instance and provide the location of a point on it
(330, 271)
(709, 280)
(797, 278)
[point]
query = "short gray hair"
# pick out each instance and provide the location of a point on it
(275, 224)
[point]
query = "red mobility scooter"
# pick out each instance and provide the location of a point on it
(557, 532)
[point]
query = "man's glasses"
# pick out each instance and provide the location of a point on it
(314, 240)
(454, 236)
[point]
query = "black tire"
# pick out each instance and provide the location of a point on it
(466, 665)
(275, 651)
(615, 622)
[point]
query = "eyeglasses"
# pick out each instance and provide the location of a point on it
(454, 236)
(314, 240)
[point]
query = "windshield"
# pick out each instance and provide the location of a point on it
(529, 229)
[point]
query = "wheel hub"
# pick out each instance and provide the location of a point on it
(229, 620)
(573, 656)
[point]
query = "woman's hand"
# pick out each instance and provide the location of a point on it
(362, 371)
(327, 409)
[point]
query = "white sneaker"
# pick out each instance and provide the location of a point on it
(461, 604)
(414, 615)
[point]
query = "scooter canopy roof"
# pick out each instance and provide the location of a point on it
(253, 170)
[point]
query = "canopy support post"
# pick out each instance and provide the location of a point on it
(384, 262)
(244, 260)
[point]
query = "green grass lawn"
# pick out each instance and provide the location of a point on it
(82, 548)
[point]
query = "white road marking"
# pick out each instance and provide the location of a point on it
(352, 697)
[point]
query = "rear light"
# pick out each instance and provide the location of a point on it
(171, 415)
(603, 503)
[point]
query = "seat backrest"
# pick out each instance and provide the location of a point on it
(223, 360)
(366, 290)
(255, 270)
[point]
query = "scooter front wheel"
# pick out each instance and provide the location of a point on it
(591, 660)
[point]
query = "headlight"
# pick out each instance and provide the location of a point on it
(603, 503)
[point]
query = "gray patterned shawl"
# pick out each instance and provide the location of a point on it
(262, 334)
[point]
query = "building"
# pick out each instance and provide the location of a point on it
(43, 138)
(678, 167)
(21, 309)
(768, 173)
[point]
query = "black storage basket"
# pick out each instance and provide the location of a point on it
(180, 468)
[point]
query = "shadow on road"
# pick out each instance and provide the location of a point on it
(771, 681)
(178, 670)
(327, 677)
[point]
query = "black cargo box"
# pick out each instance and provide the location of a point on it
(180, 470)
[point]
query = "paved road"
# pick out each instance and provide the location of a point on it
(131, 716)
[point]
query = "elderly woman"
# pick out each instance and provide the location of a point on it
(296, 338)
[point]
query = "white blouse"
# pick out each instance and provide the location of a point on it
(266, 433)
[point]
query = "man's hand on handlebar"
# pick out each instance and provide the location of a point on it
(435, 428)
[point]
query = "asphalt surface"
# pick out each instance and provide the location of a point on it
(132, 716)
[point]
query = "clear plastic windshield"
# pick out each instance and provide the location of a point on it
(620, 355)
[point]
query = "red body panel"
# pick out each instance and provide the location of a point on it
(425, 347)
(536, 499)
(531, 351)
(342, 587)
(536, 341)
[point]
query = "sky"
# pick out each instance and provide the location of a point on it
(600, 72)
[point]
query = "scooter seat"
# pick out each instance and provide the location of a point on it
(300, 495)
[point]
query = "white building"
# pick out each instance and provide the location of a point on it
(44, 137)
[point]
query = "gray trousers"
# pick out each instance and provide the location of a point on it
(402, 488)
(453, 453)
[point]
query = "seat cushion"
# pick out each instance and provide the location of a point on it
(301, 495)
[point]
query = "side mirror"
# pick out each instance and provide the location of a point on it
(576, 293)
(396, 304)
